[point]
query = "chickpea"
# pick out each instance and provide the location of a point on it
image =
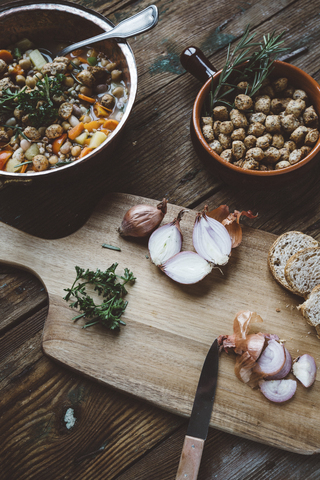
(118, 92)
(53, 159)
(116, 75)
(31, 81)
(86, 119)
(75, 151)
(25, 63)
(111, 66)
(20, 80)
(40, 163)
(65, 148)
(108, 101)
(85, 90)
(3, 67)
(68, 82)
(66, 126)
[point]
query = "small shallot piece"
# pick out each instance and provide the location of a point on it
(231, 221)
(272, 359)
(166, 241)
(186, 267)
(141, 220)
(305, 369)
(285, 369)
(278, 390)
(211, 239)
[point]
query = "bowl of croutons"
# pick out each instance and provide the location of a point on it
(260, 131)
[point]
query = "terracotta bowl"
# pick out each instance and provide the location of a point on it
(195, 62)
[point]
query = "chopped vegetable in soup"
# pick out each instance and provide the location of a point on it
(55, 112)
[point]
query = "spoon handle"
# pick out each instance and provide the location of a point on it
(139, 23)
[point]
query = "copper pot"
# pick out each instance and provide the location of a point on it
(195, 62)
(65, 22)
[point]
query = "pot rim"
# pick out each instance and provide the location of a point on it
(105, 24)
(196, 115)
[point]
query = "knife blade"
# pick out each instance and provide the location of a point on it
(200, 417)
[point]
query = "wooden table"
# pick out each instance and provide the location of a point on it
(109, 435)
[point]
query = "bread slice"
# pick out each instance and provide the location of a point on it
(282, 249)
(302, 271)
(310, 309)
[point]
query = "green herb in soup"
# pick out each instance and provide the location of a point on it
(55, 112)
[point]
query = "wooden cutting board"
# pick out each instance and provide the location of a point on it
(169, 328)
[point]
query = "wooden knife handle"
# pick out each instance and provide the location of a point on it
(190, 458)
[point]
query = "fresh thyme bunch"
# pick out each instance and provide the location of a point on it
(108, 313)
(259, 57)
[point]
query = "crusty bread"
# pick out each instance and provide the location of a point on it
(310, 309)
(282, 249)
(302, 271)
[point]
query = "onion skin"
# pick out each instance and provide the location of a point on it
(278, 391)
(305, 370)
(141, 220)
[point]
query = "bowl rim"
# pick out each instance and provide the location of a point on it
(196, 115)
(105, 24)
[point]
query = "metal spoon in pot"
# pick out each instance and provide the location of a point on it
(139, 23)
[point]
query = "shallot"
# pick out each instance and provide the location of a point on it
(141, 220)
(272, 359)
(305, 369)
(278, 390)
(186, 267)
(166, 241)
(285, 369)
(211, 239)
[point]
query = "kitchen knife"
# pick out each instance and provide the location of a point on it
(200, 417)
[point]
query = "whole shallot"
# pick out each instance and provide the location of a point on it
(141, 220)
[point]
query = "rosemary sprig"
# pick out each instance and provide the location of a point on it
(259, 57)
(108, 313)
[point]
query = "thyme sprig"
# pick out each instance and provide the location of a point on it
(105, 283)
(38, 103)
(259, 57)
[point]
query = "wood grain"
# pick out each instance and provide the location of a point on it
(172, 326)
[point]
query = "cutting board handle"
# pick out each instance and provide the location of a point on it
(190, 458)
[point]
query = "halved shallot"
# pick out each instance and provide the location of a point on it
(166, 241)
(186, 267)
(272, 359)
(285, 369)
(211, 239)
(305, 369)
(278, 390)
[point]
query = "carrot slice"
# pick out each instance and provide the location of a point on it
(85, 98)
(57, 143)
(75, 131)
(85, 152)
(24, 168)
(4, 157)
(100, 110)
(17, 70)
(110, 124)
(6, 56)
(93, 125)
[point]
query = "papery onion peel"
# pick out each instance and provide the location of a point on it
(231, 221)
